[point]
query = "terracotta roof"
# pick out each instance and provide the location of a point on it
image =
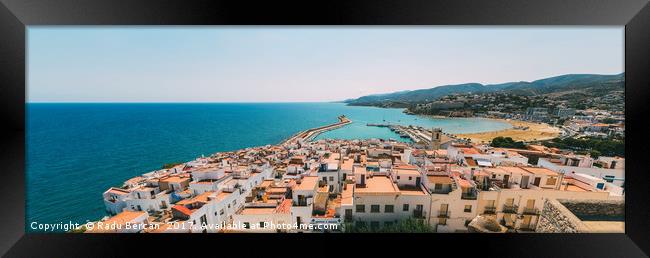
(120, 219)
(445, 180)
(470, 151)
(378, 185)
(257, 210)
(124, 217)
(307, 183)
(470, 161)
(463, 183)
(515, 170)
(284, 207)
(540, 171)
(175, 179)
(182, 209)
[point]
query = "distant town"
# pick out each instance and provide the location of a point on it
(565, 173)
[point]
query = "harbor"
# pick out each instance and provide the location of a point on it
(416, 134)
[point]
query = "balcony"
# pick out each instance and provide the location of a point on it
(510, 208)
(531, 211)
(303, 202)
(469, 195)
(490, 210)
(441, 190)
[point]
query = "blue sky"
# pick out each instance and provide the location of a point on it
(306, 63)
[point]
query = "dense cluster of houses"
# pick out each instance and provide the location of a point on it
(332, 185)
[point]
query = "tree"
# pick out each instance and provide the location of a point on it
(409, 225)
(507, 142)
(605, 147)
(594, 154)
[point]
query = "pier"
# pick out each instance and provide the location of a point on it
(309, 134)
(414, 133)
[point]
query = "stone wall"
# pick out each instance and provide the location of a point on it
(555, 218)
(598, 208)
(561, 216)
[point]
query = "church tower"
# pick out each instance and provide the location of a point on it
(436, 133)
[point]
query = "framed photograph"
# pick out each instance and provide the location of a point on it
(499, 125)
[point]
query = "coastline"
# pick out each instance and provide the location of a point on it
(534, 132)
(136, 159)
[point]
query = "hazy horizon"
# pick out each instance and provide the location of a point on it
(243, 64)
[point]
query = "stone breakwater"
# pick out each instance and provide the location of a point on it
(313, 132)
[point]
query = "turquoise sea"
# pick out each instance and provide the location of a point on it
(77, 151)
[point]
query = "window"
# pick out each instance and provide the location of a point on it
(374, 208)
(221, 212)
(389, 208)
(325, 178)
(374, 224)
(361, 208)
(397, 177)
(468, 208)
(405, 207)
(388, 223)
(204, 220)
(360, 224)
(247, 225)
(332, 178)
(494, 176)
(228, 206)
(551, 181)
(438, 187)
(410, 178)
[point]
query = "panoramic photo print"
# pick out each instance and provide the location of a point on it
(325, 129)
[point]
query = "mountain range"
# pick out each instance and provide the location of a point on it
(558, 84)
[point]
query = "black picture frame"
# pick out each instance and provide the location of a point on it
(15, 15)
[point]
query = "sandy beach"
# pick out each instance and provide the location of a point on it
(534, 132)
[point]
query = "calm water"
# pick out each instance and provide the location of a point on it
(76, 151)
